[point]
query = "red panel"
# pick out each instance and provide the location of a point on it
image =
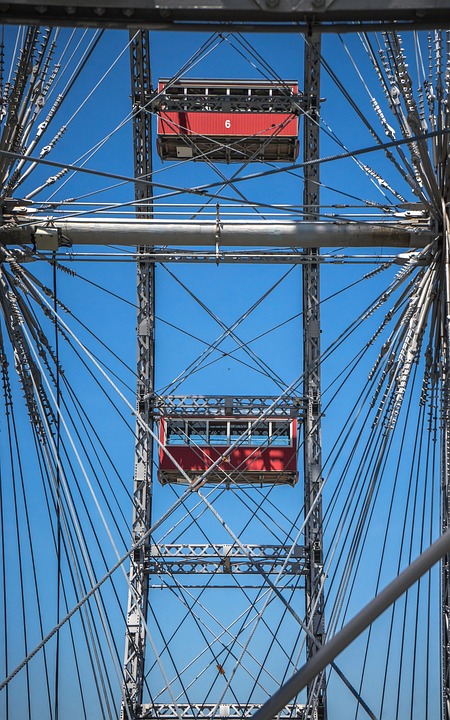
(243, 124)
(242, 459)
(245, 463)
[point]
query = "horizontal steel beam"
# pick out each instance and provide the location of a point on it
(225, 559)
(237, 257)
(242, 407)
(210, 711)
(172, 14)
(210, 234)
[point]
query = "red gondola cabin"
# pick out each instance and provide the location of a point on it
(228, 120)
(265, 451)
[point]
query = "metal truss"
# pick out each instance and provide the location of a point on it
(213, 559)
(135, 637)
(166, 102)
(227, 405)
(223, 476)
(211, 710)
(295, 15)
(314, 595)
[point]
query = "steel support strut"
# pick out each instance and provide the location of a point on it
(210, 14)
(316, 691)
(142, 489)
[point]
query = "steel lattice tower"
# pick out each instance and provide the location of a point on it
(142, 490)
(312, 385)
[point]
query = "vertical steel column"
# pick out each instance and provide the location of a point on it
(312, 456)
(142, 490)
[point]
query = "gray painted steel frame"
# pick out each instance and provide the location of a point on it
(288, 234)
(312, 449)
(171, 14)
(135, 638)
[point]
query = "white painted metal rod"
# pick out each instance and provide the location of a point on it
(354, 628)
(228, 233)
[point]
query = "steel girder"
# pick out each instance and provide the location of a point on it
(225, 559)
(170, 14)
(135, 637)
(48, 235)
(204, 711)
(312, 448)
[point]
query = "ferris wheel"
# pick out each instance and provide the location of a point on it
(181, 535)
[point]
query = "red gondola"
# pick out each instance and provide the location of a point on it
(265, 450)
(228, 120)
